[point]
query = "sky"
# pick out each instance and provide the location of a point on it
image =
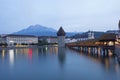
(73, 15)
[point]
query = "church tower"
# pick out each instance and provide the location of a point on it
(61, 37)
(90, 35)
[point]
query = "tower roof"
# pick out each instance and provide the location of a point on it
(61, 32)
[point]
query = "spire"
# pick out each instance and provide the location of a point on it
(61, 32)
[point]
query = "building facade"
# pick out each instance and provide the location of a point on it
(49, 39)
(20, 39)
(52, 39)
(2, 40)
(85, 36)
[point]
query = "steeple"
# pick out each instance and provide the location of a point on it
(61, 32)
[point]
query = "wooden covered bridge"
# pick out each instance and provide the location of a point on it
(103, 45)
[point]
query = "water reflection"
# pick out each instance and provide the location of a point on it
(57, 64)
(3, 53)
(61, 56)
(30, 54)
(109, 62)
(11, 57)
(47, 50)
(42, 51)
(53, 50)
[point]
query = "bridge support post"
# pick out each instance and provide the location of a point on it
(107, 52)
(104, 51)
(80, 48)
(96, 51)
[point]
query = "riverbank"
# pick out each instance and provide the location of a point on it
(30, 46)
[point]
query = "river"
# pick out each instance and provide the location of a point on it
(53, 63)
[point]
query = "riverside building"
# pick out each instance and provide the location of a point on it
(20, 39)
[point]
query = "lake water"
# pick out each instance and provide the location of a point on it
(51, 63)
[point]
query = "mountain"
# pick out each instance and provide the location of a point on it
(39, 30)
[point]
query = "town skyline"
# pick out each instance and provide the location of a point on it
(72, 15)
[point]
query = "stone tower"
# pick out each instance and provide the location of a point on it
(61, 37)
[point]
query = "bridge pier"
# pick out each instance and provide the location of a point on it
(86, 50)
(95, 50)
(103, 51)
(83, 49)
(89, 49)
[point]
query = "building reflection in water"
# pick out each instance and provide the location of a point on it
(47, 50)
(53, 50)
(21, 52)
(11, 57)
(30, 54)
(42, 51)
(61, 56)
(39, 51)
(56, 50)
(3, 54)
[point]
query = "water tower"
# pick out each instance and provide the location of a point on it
(61, 37)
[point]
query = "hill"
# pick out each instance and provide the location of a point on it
(39, 30)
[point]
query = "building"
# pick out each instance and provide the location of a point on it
(61, 37)
(2, 40)
(49, 39)
(84, 36)
(13, 39)
(52, 39)
(70, 40)
(113, 31)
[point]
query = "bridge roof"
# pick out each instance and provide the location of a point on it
(108, 37)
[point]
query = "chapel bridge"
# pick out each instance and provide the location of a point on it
(103, 45)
